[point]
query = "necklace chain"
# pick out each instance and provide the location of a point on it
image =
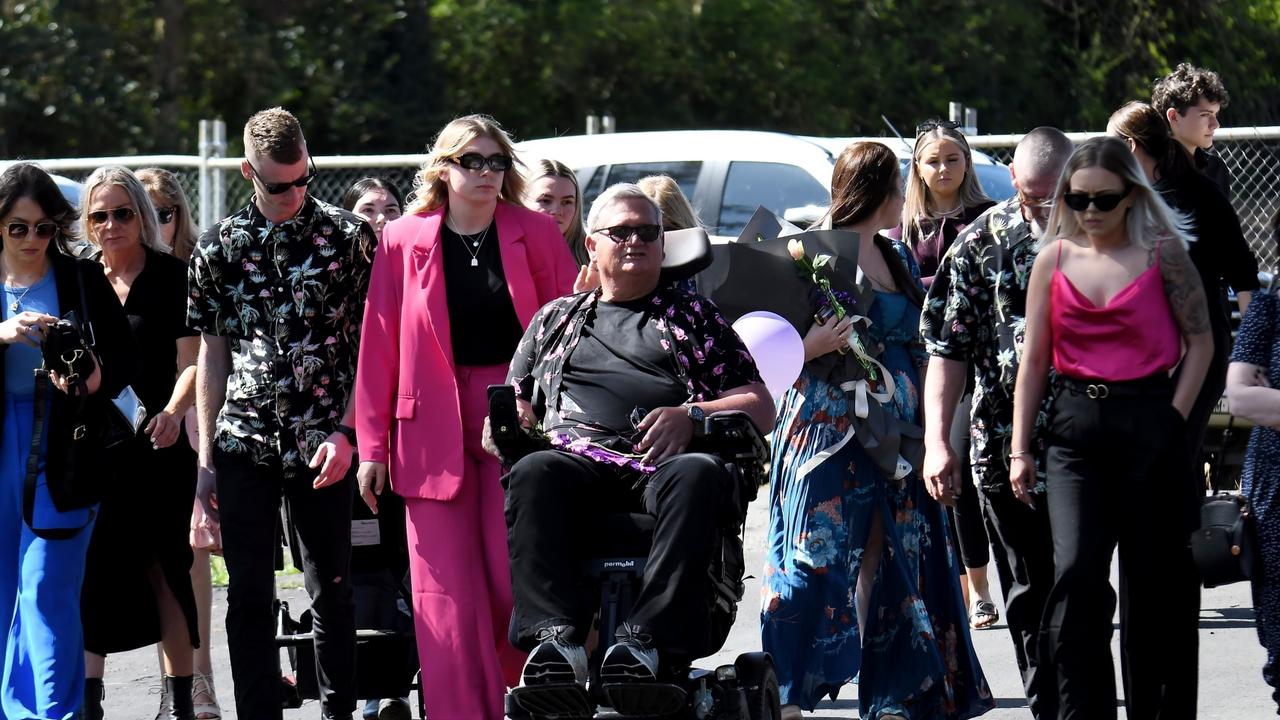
(16, 305)
(471, 244)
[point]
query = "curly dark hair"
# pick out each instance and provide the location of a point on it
(1184, 87)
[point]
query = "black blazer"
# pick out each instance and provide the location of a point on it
(115, 348)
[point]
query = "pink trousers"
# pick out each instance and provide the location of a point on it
(461, 582)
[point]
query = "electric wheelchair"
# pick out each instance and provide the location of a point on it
(746, 689)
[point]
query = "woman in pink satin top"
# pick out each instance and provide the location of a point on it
(1113, 305)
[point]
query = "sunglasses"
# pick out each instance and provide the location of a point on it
(283, 187)
(929, 125)
(476, 161)
(1027, 201)
(165, 214)
(1104, 202)
(120, 215)
(622, 233)
(44, 231)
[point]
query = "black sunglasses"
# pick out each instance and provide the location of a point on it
(929, 125)
(476, 161)
(44, 231)
(165, 214)
(623, 233)
(282, 187)
(1105, 202)
(120, 215)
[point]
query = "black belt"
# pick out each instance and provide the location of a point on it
(1159, 384)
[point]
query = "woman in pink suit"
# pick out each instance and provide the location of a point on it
(455, 282)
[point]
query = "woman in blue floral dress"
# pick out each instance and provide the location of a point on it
(860, 580)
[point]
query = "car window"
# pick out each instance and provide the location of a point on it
(995, 181)
(684, 173)
(774, 185)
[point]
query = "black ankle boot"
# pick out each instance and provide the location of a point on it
(179, 688)
(93, 694)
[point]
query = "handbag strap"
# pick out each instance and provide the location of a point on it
(86, 323)
(33, 471)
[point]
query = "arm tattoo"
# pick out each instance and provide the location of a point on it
(1183, 288)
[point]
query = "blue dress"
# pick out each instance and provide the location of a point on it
(43, 672)
(1258, 344)
(917, 659)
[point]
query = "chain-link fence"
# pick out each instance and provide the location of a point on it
(1253, 157)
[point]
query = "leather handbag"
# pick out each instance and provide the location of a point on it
(1224, 546)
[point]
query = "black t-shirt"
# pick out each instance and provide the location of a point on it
(1215, 168)
(157, 310)
(483, 325)
(619, 365)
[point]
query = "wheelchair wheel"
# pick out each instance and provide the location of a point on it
(759, 681)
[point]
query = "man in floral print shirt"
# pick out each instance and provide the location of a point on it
(626, 375)
(277, 290)
(974, 317)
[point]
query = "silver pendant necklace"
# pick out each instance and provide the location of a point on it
(472, 243)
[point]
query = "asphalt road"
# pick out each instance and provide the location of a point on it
(1231, 686)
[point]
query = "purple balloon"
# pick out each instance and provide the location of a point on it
(776, 347)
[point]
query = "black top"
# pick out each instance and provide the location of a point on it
(1214, 168)
(483, 325)
(1220, 252)
(157, 310)
(619, 365)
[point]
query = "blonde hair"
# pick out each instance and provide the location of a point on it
(429, 188)
(164, 184)
(918, 201)
(1149, 219)
(149, 232)
(677, 212)
(576, 236)
(273, 133)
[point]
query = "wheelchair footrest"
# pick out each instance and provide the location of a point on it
(645, 699)
(565, 700)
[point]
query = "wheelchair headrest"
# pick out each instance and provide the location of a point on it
(688, 252)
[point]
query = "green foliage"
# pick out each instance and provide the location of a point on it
(82, 77)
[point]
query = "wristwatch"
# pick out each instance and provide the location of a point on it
(349, 432)
(699, 419)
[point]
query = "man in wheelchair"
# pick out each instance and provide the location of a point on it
(623, 379)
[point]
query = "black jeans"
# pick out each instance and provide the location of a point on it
(968, 526)
(1024, 561)
(551, 498)
(249, 501)
(1117, 471)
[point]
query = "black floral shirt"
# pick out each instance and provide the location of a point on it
(289, 296)
(706, 354)
(975, 313)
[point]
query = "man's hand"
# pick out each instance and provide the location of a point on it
(207, 492)
(667, 432)
(163, 429)
(942, 476)
(372, 478)
(333, 457)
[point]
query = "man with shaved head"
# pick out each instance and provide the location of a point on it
(973, 323)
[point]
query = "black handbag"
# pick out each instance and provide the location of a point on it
(97, 426)
(1224, 546)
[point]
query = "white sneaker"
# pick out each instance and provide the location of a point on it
(556, 659)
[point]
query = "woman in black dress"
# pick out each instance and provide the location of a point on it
(137, 589)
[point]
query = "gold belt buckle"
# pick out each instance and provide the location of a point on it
(1097, 392)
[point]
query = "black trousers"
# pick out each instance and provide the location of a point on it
(552, 497)
(967, 523)
(249, 501)
(1023, 549)
(1215, 382)
(1117, 472)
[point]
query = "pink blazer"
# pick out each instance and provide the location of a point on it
(407, 410)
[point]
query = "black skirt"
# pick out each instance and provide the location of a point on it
(143, 523)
